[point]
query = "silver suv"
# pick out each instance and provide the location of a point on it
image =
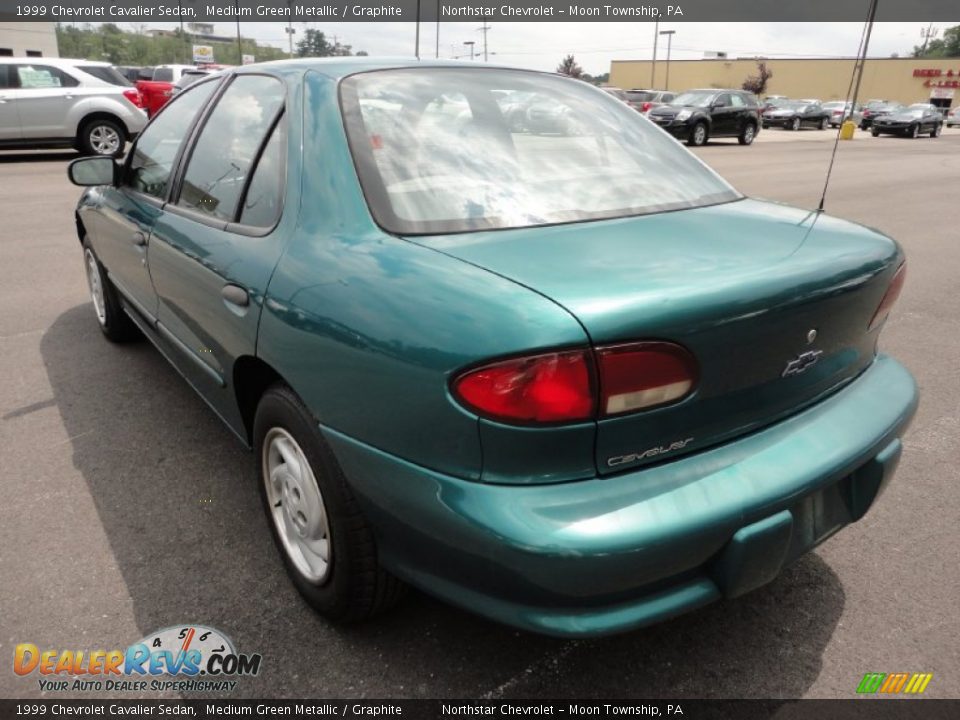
(54, 102)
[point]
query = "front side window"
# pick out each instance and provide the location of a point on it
(453, 150)
(695, 98)
(228, 146)
(157, 147)
(44, 76)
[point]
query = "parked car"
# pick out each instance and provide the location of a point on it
(796, 114)
(57, 102)
(646, 100)
(772, 101)
(841, 111)
(130, 72)
(189, 77)
(953, 117)
(875, 109)
(157, 89)
(700, 115)
(577, 383)
(909, 122)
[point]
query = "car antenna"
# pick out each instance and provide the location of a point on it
(858, 75)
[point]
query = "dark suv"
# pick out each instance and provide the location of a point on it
(699, 115)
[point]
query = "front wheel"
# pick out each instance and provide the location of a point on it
(326, 545)
(914, 131)
(748, 134)
(115, 324)
(698, 135)
(937, 129)
(875, 132)
(795, 124)
(824, 124)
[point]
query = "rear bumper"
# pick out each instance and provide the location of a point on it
(607, 555)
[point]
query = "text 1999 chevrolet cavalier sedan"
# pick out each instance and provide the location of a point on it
(571, 380)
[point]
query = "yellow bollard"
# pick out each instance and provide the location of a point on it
(847, 130)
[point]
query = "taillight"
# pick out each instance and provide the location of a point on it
(646, 106)
(889, 298)
(548, 388)
(133, 95)
(559, 387)
(643, 375)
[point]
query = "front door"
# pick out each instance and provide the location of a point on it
(130, 211)
(215, 245)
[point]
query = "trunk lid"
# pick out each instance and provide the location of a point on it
(749, 287)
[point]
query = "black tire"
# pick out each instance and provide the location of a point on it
(824, 124)
(914, 131)
(114, 322)
(936, 130)
(698, 134)
(795, 124)
(355, 587)
(93, 134)
(875, 132)
(748, 134)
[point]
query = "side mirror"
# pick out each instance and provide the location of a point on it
(90, 171)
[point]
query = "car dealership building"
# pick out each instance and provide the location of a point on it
(906, 80)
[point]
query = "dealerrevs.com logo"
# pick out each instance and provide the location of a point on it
(182, 658)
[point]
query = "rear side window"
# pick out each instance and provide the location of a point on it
(8, 77)
(263, 199)
(737, 101)
(105, 73)
(33, 77)
(229, 145)
(157, 147)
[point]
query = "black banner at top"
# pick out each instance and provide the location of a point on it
(472, 10)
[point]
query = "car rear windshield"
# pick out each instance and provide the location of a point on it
(163, 75)
(105, 73)
(455, 150)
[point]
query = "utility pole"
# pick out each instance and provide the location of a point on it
(471, 44)
(653, 67)
(484, 30)
(669, 34)
(289, 28)
(437, 51)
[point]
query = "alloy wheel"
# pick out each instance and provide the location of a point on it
(296, 505)
(96, 286)
(104, 139)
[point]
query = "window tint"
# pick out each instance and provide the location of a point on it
(264, 198)
(157, 146)
(737, 101)
(107, 74)
(723, 100)
(163, 74)
(43, 76)
(8, 78)
(227, 147)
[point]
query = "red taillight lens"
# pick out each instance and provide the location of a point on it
(889, 298)
(646, 106)
(644, 375)
(541, 389)
(133, 95)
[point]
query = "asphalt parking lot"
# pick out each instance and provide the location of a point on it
(128, 507)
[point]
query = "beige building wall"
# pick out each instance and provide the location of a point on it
(19, 38)
(828, 79)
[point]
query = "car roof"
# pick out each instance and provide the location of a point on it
(61, 62)
(340, 67)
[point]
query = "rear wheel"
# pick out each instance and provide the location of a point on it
(875, 132)
(748, 134)
(101, 137)
(326, 545)
(795, 124)
(698, 135)
(914, 131)
(824, 123)
(936, 130)
(114, 322)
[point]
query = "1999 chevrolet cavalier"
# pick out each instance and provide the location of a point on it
(569, 379)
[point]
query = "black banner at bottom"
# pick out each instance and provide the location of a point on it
(859, 709)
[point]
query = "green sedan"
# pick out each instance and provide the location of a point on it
(491, 333)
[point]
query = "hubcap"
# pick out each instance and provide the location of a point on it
(104, 140)
(748, 133)
(296, 505)
(796, 124)
(699, 135)
(96, 287)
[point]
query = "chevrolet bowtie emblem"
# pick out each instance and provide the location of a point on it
(802, 363)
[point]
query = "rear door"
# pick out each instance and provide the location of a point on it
(723, 115)
(46, 96)
(128, 212)
(9, 117)
(216, 242)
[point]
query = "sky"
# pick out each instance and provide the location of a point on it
(541, 46)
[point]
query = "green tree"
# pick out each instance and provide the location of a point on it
(315, 44)
(946, 46)
(569, 67)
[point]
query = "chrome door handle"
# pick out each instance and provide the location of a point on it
(139, 239)
(235, 295)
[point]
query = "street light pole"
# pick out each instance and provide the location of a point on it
(669, 34)
(653, 67)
